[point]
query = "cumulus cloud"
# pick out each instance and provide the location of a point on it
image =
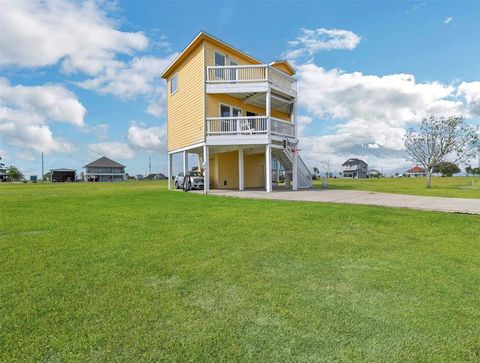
(471, 92)
(151, 139)
(26, 110)
(79, 35)
(112, 149)
(139, 76)
(372, 112)
(311, 42)
(51, 101)
(448, 20)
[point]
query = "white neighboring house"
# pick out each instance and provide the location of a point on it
(104, 170)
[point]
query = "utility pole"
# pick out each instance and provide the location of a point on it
(43, 174)
(149, 165)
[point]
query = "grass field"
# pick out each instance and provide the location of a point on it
(458, 187)
(131, 272)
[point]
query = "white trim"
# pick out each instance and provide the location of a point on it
(193, 146)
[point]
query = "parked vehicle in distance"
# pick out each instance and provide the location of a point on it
(196, 178)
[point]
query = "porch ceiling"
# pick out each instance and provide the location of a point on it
(278, 102)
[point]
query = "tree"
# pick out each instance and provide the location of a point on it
(315, 172)
(437, 138)
(14, 173)
(446, 168)
(468, 170)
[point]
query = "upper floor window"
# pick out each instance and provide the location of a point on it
(174, 84)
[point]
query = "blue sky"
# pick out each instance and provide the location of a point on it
(366, 70)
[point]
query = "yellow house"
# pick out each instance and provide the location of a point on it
(236, 114)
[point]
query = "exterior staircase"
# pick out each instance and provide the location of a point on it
(285, 157)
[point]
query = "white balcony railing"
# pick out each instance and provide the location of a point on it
(282, 128)
(250, 125)
(242, 74)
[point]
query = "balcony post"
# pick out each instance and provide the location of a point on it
(295, 171)
(268, 168)
(185, 162)
(241, 177)
(169, 171)
(268, 109)
(206, 170)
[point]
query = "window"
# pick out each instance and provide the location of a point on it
(229, 125)
(219, 59)
(174, 84)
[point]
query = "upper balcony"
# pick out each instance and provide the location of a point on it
(247, 130)
(249, 79)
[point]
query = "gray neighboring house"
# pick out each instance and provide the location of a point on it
(104, 170)
(3, 174)
(354, 168)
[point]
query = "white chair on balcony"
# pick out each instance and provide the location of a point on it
(245, 127)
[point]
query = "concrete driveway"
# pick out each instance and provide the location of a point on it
(440, 204)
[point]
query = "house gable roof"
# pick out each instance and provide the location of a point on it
(353, 161)
(416, 169)
(105, 162)
(284, 66)
(197, 41)
(63, 169)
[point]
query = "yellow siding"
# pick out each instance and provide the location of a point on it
(224, 170)
(186, 107)
(214, 101)
(230, 53)
(254, 170)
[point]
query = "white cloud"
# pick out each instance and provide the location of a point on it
(311, 42)
(302, 122)
(112, 149)
(471, 92)
(26, 110)
(79, 35)
(372, 112)
(140, 76)
(151, 139)
(448, 20)
(52, 101)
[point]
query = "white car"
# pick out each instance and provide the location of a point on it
(194, 177)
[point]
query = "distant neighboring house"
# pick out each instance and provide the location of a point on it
(104, 170)
(157, 176)
(3, 174)
(416, 171)
(373, 173)
(63, 175)
(354, 168)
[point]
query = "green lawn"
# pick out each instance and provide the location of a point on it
(458, 187)
(131, 272)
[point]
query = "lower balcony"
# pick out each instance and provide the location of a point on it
(247, 130)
